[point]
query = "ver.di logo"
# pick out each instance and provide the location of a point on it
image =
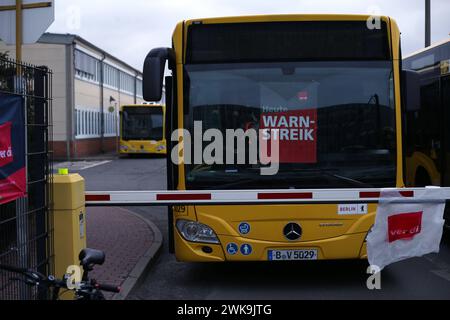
(404, 226)
(6, 154)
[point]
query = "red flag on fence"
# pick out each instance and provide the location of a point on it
(12, 149)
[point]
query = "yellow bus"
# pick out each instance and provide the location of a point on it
(338, 75)
(428, 135)
(142, 129)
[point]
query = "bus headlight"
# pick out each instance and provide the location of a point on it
(196, 232)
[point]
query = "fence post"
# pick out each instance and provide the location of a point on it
(38, 169)
(22, 204)
(22, 243)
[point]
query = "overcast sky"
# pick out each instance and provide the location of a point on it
(129, 29)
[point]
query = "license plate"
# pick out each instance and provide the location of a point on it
(292, 255)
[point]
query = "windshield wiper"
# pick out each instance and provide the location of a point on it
(352, 181)
(281, 177)
(327, 172)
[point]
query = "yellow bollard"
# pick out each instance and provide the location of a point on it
(69, 221)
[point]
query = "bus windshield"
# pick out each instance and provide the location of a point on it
(351, 135)
(142, 123)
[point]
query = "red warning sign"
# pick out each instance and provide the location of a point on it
(296, 132)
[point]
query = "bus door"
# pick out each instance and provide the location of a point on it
(445, 99)
(428, 134)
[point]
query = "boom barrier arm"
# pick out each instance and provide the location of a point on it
(261, 197)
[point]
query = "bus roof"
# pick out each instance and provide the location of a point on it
(286, 17)
(215, 40)
(433, 46)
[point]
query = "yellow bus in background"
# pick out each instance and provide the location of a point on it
(428, 156)
(228, 73)
(428, 133)
(142, 129)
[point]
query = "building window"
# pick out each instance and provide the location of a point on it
(111, 76)
(139, 88)
(111, 123)
(126, 83)
(87, 67)
(88, 124)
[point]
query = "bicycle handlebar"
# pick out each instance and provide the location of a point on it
(30, 274)
(87, 289)
(36, 277)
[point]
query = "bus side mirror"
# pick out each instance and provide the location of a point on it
(154, 67)
(411, 90)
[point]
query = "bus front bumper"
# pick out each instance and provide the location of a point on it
(143, 147)
(347, 246)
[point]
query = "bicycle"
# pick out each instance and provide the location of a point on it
(86, 289)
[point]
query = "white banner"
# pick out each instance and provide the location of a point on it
(406, 230)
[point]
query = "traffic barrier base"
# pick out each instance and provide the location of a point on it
(69, 221)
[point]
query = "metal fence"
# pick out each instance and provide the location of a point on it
(26, 224)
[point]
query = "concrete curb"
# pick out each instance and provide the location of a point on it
(139, 270)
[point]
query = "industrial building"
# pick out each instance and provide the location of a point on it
(89, 86)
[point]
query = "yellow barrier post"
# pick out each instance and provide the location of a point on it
(69, 221)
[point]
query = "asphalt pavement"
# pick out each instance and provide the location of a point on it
(419, 278)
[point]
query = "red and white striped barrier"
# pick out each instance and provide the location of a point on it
(162, 198)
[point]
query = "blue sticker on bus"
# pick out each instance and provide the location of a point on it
(246, 249)
(232, 249)
(244, 228)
